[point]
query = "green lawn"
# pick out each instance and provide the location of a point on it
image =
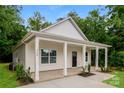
(117, 80)
(7, 78)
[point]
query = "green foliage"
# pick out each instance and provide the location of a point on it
(20, 71)
(83, 69)
(86, 69)
(37, 22)
(11, 29)
(22, 74)
(46, 24)
(102, 67)
(89, 67)
(108, 29)
(117, 59)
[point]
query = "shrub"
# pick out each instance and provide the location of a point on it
(23, 75)
(117, 59)
(87, 68)
(103, 69)
(83, 69)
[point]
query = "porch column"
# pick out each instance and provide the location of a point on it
(97, 57)
(65, 58)
(89, 57)
(106, 57)
(36, 58)
(84, 55)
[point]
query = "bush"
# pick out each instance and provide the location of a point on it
(117, 59)
(23, 75)
(87, 68)
(12, 66)
(103, 69)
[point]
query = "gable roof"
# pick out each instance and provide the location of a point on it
(73, 23)
(31, 34)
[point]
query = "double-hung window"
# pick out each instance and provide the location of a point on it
(44, 56)
(52, 56)
(48, 56)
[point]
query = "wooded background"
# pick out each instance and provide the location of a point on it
(107, 28)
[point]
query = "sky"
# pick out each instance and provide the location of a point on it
(53, 12)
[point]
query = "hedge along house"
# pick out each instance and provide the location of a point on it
(53, 51)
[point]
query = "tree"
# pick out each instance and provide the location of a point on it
(75, 16)
(36, 22)
(46, 24)
(11, 29)
(116, 22)
(59, 19)
(116, 33)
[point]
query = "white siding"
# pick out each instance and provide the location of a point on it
(30, 54)
(65, 29)
(19, 55)
(59, 58)
(77, 49)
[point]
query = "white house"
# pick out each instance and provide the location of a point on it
(58, 47)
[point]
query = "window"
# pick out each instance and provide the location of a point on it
(48, 56)
(44, 56)
(53, 56)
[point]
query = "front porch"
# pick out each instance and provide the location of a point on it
(55, 74)
(65, 70)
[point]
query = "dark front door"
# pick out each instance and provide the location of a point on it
(74, 59)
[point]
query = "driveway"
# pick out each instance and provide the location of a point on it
(94, 81)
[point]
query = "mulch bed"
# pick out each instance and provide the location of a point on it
(86, 74)
(23, 82)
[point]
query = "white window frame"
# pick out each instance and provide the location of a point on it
(44, 56)
(48, 56)
(52, 56)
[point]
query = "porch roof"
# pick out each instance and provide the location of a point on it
(32, 34)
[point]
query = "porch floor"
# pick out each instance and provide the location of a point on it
(55, 74)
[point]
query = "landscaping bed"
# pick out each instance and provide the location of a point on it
(86, 74)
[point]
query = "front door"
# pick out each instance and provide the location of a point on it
(74, 59)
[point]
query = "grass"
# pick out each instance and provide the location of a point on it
(7, 78)
(117, 80)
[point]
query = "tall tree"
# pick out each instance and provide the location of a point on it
(59, 19)
(94, 26)
(116, 26)
(75, 16)
(36, 22)
(116, 33)
(46, 24)
(11, 29)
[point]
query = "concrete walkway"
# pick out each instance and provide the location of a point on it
(94, 81)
